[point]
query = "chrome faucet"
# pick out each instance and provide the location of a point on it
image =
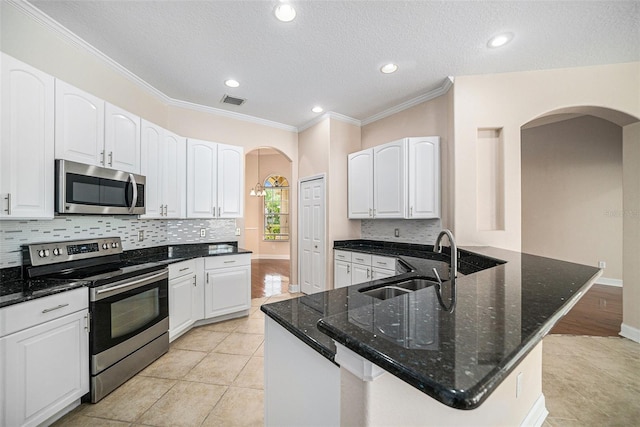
(437, 247)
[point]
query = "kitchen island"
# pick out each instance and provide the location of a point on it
(407, 360)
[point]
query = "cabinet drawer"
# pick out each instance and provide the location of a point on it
(184, 268)
(31, 313)
(342, 256)
(360, 258)
(383, 262)
(227, 261)
(381, 273)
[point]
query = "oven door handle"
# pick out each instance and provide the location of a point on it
(125, 285)
(134, 187)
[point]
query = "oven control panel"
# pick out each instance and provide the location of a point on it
(53, 253)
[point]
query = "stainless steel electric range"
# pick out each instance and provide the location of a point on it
(128, 305)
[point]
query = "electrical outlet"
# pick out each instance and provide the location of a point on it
(203, 232)
(396, 232)
(602, 264)
(140, 235)
(238, 231)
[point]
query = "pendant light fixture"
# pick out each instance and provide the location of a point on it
(258, 190)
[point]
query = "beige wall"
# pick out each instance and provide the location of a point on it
(431, 118)
(270, 164)
(631, 239)
(508, 101)
(572, 192)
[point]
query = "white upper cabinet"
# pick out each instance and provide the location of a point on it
(121, 139)
(202, 162)
(360, 184)
(79, 125)
(400, 179)
(215, 180)
(424, 177)
(230, 181)
(26, 148)
(93, 132)
(163, 163)
(389, 180)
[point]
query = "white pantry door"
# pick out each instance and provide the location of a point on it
(312, 253)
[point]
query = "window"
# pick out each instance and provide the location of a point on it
(276, 208)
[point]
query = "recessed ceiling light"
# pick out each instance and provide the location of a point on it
(389, 68)
(285, 12)
(232, 83)
(317, 109)
(500, 40)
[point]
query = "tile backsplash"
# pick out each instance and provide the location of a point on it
(157, 232)
(422, 231)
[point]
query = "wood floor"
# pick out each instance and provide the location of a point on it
(269, 277)
(598, 313)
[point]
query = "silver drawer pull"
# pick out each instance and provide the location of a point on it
(229, 262)
(184, 269)
(381, 262)
(46, 310)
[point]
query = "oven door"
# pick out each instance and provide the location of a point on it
(127, 315)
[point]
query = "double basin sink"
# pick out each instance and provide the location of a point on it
(396, 289)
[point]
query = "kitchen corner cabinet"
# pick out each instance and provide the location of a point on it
(163, 163)
(26, 147)
(183, 284)
(44, 354)
(215, 180)
(400, 179)
(227, 287)
(90, 131)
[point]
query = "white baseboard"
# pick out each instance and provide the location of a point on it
(268, 256)
(630, 332)
(609, 282)
(537, 414)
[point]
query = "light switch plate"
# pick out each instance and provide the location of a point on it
(238, 231)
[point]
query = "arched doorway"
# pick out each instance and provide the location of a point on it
(572, 200)
(266, 229)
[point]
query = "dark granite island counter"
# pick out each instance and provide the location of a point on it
(397, 355)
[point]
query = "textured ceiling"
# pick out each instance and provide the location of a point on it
(331, 53)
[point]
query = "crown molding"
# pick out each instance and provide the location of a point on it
(327, 115)
(444, 88)
(46, 21)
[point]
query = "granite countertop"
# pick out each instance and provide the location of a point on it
(502, 312)
(14, 289)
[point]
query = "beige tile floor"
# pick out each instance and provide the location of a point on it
(212, 376)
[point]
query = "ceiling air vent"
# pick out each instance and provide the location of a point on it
(231, 100)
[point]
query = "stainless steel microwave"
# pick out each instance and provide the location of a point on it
(86, 189)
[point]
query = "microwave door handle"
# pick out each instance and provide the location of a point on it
(134, 199)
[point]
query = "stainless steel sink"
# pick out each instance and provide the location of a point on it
(395, 289)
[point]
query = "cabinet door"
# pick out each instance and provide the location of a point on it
(360, 273)
(360, 184)
(46, 368)
(79, 125)
(26, 148)
(424, 177)
(181, 305)
(227, 290)
(389, 180)
(122, 139)
(230, 181)
(174, 177)
(341, 274)
(381, 273)
(153, 166)
(201, 178)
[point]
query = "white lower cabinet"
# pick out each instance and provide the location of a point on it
(227, 286)
(351, 268)
(44, 358)
(183, 285)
